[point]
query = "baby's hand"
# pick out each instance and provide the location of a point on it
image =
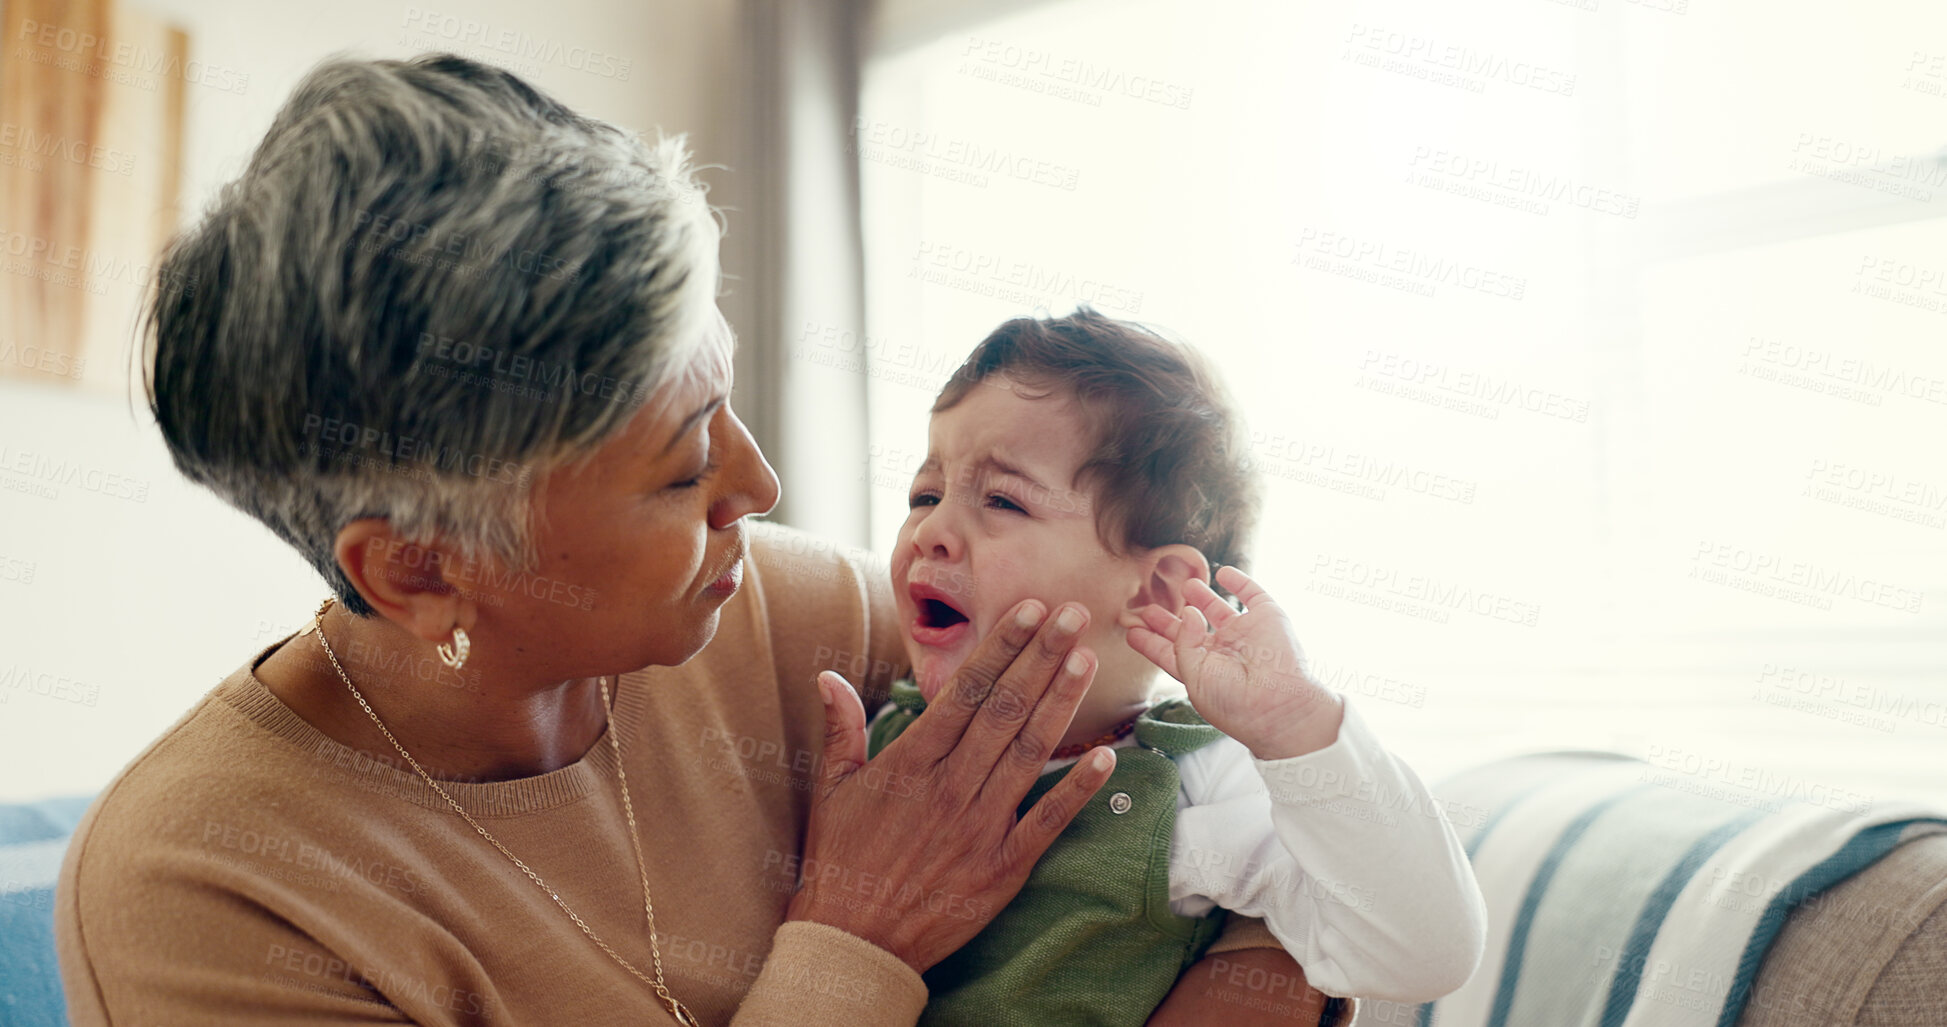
(1244, 671)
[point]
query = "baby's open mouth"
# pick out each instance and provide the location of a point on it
(938, 613)
(937, 616)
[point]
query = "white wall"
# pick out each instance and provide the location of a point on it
(126, 594)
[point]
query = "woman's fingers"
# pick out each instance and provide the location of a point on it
(1050, 816)
(845, 747)
(947, 790)
(1006, 707)
(1027, 757)
(937, 732)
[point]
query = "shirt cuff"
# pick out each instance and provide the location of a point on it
(817, 974)
(1333, 772)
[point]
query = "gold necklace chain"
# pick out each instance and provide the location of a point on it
(676, 1008)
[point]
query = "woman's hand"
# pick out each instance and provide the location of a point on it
(917, 850)
(1244, 671)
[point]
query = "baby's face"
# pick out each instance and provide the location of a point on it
(996, 518)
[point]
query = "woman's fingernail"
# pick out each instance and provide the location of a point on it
(1029, 615)
(1076, 665)
(824, 689)
(1070, 620)
(1104, 759)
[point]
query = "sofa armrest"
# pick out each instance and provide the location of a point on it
(1871, 950)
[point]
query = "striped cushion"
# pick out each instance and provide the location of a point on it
(1624, 895)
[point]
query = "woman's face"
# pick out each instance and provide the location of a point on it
(639, 547)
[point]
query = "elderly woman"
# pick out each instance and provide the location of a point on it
(459, 346)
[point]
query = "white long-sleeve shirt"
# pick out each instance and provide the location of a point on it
(1342, 852)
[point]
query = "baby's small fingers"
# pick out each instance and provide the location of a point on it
(1159, 620)
(1204, 599)
(1195, 629)
(1153, 647)
(1244, 587)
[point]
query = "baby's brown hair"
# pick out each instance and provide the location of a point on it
(1169, 454)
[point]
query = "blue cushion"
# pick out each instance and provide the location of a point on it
(39, 821)
(33, 838)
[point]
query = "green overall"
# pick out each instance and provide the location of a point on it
(1091, 938)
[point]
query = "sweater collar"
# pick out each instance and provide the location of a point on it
(1171, 727)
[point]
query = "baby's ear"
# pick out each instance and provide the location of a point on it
(1170, 568)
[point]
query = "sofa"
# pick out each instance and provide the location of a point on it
(33, 837)
(1869, 950)
(1837, 962)
(1628, 893)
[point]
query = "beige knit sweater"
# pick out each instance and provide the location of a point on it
(246, 869)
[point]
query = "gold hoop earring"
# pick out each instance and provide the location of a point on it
(456, 655)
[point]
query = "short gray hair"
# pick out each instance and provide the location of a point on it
(431, 284)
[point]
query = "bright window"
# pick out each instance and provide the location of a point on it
(1591, 351)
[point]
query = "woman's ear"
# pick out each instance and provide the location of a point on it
(406, 582)
(1170, 568)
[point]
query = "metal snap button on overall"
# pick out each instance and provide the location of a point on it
(1120, 802)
